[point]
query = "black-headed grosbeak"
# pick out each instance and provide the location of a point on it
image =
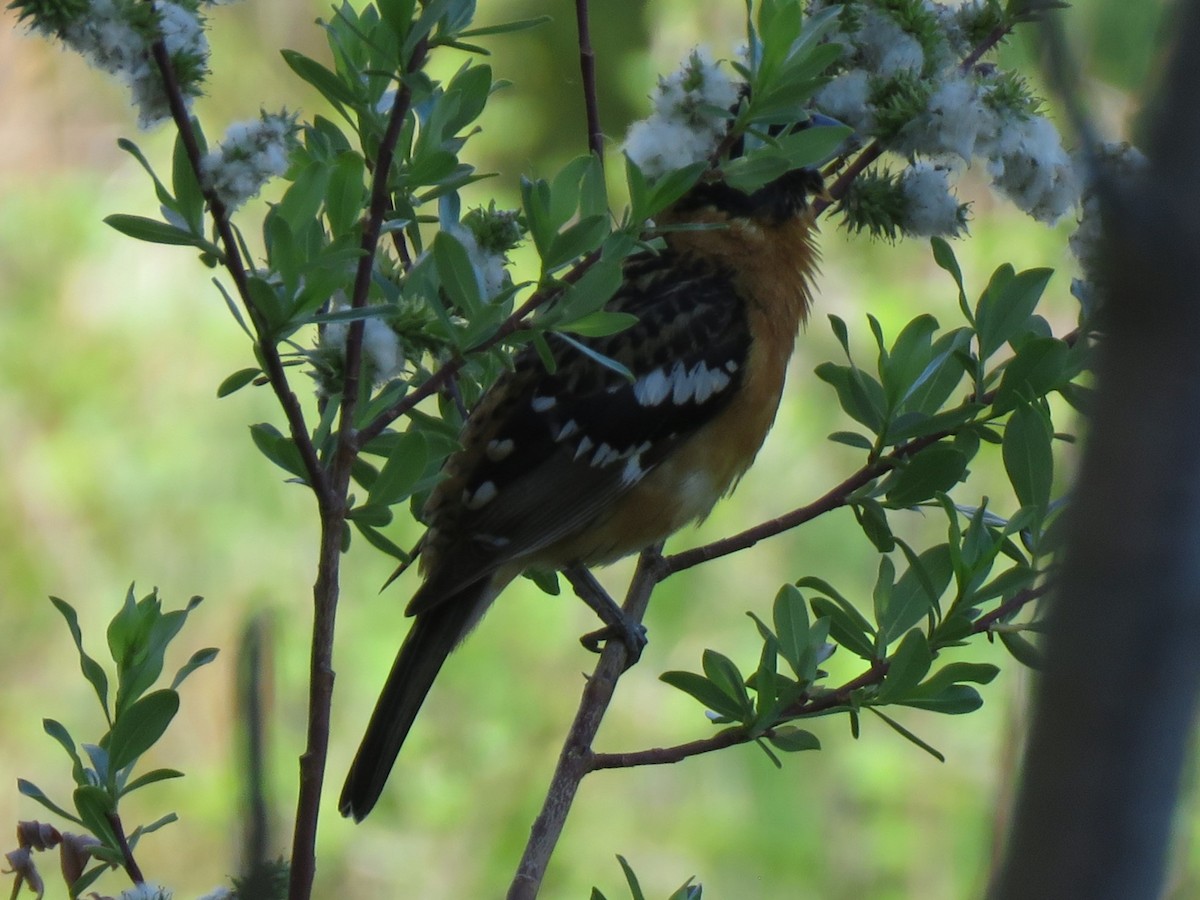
(583, 466)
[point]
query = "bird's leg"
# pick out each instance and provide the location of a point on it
(616, 623)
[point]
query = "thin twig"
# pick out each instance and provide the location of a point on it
(821, 703)
(333, 517)
(835, 498)
(587, 69)
(128, 863)
(575, 760)
(272, 364)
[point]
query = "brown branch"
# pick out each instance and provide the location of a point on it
(129, 864)
(836, 498)
(272, 363)
(333, 516)
(575, 761)
(587, 69)
(731, 737)
(821, 703)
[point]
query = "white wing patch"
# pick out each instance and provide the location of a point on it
(681, 384)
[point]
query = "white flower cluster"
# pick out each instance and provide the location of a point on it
(146, 891)
(107, 37)
(966, 116)
(691, 107)
(252, 153)
(1122, 163)
(383, 357)
(489, 265)
(930, 207)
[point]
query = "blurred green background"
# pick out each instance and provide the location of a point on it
(121, 465)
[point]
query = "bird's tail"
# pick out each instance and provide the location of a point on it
(436, 631)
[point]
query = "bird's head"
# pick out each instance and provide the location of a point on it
(715, 219)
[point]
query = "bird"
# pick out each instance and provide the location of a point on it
(579, 464)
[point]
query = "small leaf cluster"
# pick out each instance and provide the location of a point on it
(787, 62)
(136, 716)
(686, 891)
(919, 443)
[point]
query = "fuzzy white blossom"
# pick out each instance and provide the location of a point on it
(107, 38)
(689, 119)
(846, 98)
(951, 122)
(887, 49)
(221, 893)
(489, 266)
(931, 209)
(382, 355)
(1121, 162)
(1028, 165)
(252, 153)
(146, 891)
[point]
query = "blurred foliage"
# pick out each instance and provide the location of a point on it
(121, 464)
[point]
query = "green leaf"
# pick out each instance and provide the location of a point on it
(706, 692)
(237, 381)
(635, 889)
(198, 659)
(909, 360)
(872, 519)
(941, 376)
(670, 187)
(860, 395)
(793, 740)
(907, 666)
(724, 673)
(582, 237)
(456, 273)
(140, 727)
(1028, 456)
(160, 189)
(1006, 305)
(150, 777)
(33, 792)
(935, 469)
(405, 465)
(881, 595)
(852, 439)
(943, 255)
(790, 618)
(918, 590)
(278, 449)
(908, 735)
(331, 86)
(156, 232)
(959, 672)
(345, 193)
(302, 201)
(506, 27)
(847, 626)
(1039, 367)
(596, 357)
(1023, 650)
(189, 199)
(152, 827)
(468, 90)
(956, 700)
(90, 668)
(749, 173)
(59, 732)
(588, 294)
(95, 806)
(600, 323)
